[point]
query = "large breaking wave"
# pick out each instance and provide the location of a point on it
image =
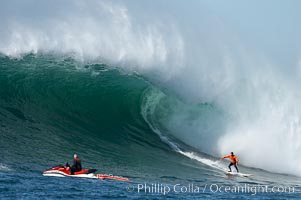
(217, 94)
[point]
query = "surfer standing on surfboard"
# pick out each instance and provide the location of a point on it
(234, 161)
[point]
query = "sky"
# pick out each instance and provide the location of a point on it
(273, 26)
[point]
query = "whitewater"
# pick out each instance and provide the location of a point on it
(141, 83)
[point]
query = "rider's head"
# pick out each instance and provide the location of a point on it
(232, 153)
(75, 156)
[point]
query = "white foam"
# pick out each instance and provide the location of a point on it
(4, 168)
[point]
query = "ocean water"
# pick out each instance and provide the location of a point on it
(156, 92)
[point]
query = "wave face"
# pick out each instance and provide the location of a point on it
(214, 91)
(58, 105)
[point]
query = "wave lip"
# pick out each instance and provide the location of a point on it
(91, 31)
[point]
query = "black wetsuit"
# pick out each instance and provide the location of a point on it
(235, 165)
(77, 166)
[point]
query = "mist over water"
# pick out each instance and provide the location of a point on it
(223, 92)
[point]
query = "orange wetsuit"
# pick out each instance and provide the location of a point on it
(233, 158)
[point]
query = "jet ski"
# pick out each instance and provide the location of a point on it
(62, 171)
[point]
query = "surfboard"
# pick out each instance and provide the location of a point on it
(238, 174)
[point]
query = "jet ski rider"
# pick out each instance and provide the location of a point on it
(77, 166)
